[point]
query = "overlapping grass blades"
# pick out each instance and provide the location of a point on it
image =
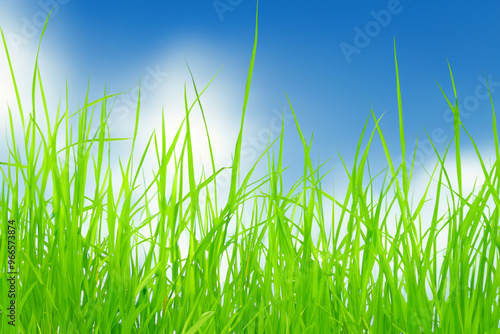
(369, 268)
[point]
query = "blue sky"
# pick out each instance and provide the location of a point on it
(333, 58)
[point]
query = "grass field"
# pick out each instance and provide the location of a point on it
(97, 255)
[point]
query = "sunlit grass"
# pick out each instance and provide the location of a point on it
(267, 259)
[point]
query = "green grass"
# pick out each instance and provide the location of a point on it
(267, 259)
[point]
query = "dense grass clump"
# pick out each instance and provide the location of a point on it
(111, 262)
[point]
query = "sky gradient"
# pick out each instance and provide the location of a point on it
(334, 59)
